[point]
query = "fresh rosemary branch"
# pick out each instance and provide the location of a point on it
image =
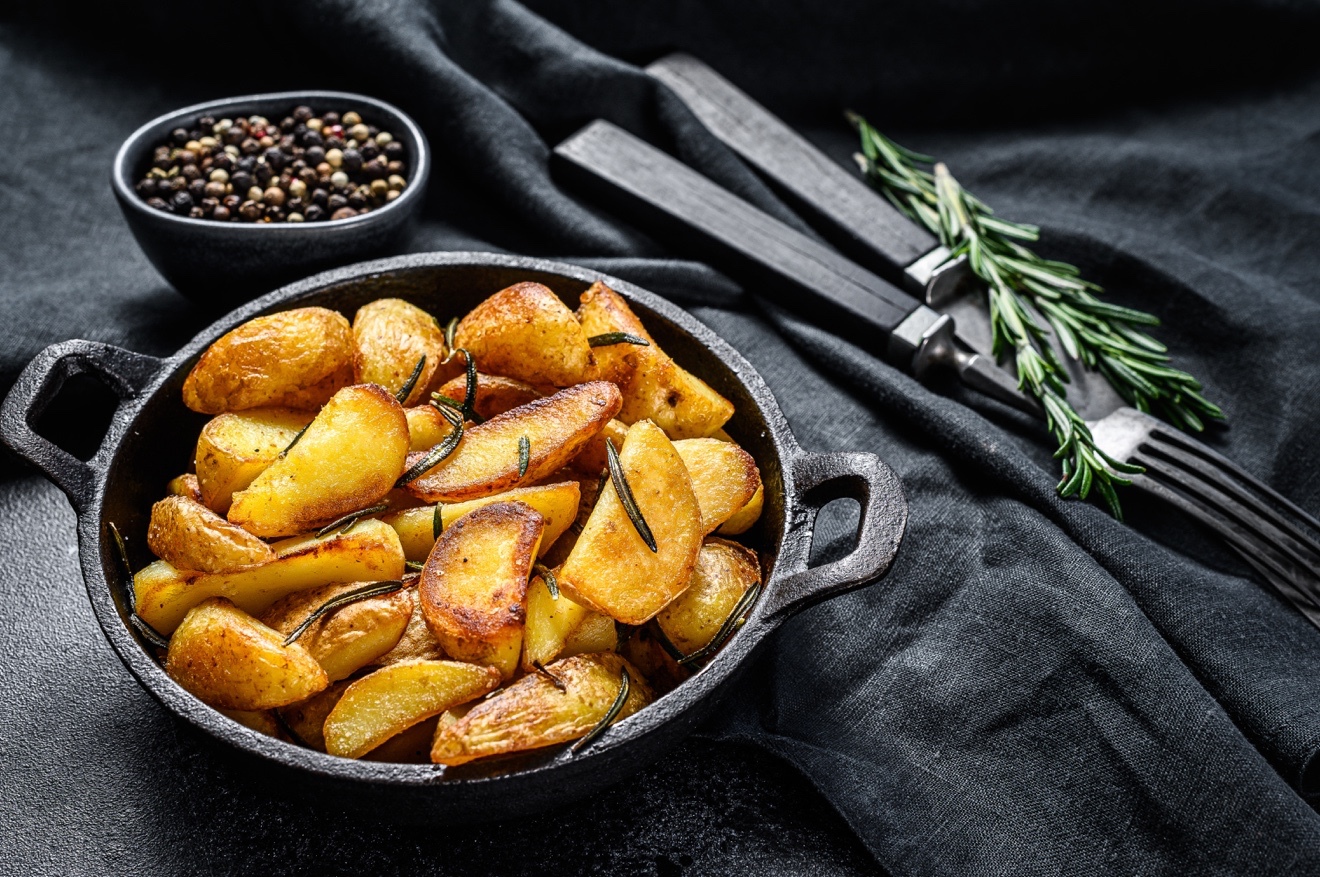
(1020, 285)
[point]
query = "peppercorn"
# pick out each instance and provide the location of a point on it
(350, 119)
(315, 124)
(274, 213)
(394, 150)
(396, 182)
(308, 176)
(275, 158)
(379, 188)
(273, 196)
(209, 205)
(391, 195)
(233, 136)
(221, 213)
(302, 113)
(336, 202)
(250, 211)
(295, 205)
(219, 175)
(352, 160)
(256, 193)
(262, 173)
(298, 188)
(181, 202)
(266, 141)
(179, 136)
(396, 167)
(196, 213)
(369, 150)
(232, 201)
(190, 172)
(176, 183)
(314, 155)
(344, 213)
(294, 217)
(214, 189)
(249, 146)
(334, 157)
(358, 132)
(206, 123)
(357, 201)
(320, 196)
(338, 178)
(158, 204)
(146, 188)
(311, 138)
(313, 213)
(197, 189)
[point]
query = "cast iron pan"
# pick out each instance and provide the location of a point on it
(151, 439)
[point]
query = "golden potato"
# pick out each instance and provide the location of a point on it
(747, 516)
(417, 640)
(486, 461)
(234, 449)
(525, 332)
(724, 477)
(473, 589)
(561, 627)
(645, 652)
(389, 337)
(185, 485)
(229, 660)
(392, 699)
(410, 746)
(349, 457)
(261, 721)
(610, 568)
(654, 387)
(367, 552)
(191, 536)
(533, 712)
(724, 572)
(591, 460)
(589, 488)
(557, 503)
(293, 359)
(427, 427)
(495, 394)
(350, 637)
(306, 718)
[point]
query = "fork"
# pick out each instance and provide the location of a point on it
(1274, 536)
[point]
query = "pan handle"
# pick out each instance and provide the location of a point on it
(818, 479)
(124, 371)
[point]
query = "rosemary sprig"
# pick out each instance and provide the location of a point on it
(625, 685)
(437, 521)
(350, 519)
(554, 680)
(524, 454)
(605, 339)
(409, 384)
(626, 497)
(439, 452)
(294, 441)
(149, 633)
(1021, 284)
(414, 565)
(450, 328)
(375, 589)
(548, 576)
(732, 623)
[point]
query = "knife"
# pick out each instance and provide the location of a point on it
(645, 183)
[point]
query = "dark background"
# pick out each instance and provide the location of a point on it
(1033, 690)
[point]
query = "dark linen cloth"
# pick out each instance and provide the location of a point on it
(1035, 688)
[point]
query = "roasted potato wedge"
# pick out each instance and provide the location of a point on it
(229, 660)
(185, 485)
(306, 718)
(293, 359)
(473, 588)
(495, 394)
(557, 503)
(533, 712)
(367, 552)
(525, 332)
(724, 572)
(191, 536)
(724, 478)
(350, 637)
(610, 568)
(234, 449)
(427, 427)
(394, 698)
(349, 457)
(561, 627)
(486, 461)
(747, 516)
(591, 460)
(654, 387)
(390, 336)
(417, 640)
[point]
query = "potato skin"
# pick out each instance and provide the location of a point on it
(389, 336)
(525, 332)
(350, 637)
(294, 359)
(723, 573)
(746, 517)
(229, 660)
(306, 718)
(417, 640)
(191, 536)
(533, 712)
(495, 394)
(185, 485)
(724, 478)
(235, 448)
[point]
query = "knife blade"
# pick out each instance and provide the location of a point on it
(648, 184)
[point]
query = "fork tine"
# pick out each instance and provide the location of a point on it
(1285, 588)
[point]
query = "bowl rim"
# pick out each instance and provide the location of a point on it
(125, 156)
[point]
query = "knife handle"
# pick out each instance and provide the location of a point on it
(644, 183)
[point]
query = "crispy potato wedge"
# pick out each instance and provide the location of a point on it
(229, 660)
(185, 485)
(557, 503)
(486, 461)
(234, 449)
(747, 516)
(306, 718)
(495, 394)
(645, 652)
(610, 568)
(533, 712)
(350, 637)
(389, 337)
(293, 359)
(724, 478)
(525, 332)
(592, 459)
(724, 572)
(427, 427)
(561, 627)
(473, 588)
(411, 746)
(654, 387)
(349, 457)
(394, 698)
(367, 552)
(417, 640)
(191, 536)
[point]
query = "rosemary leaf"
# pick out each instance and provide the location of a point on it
(548, 576)
(607, 338)
(732, 623)
(409, 384)
(470, 392)
(524, 454)
(122, 551)
(554, 680)
(413, 565)
(437, 521)
(450, 328)
(375, 589)
(626, 497)
(293, 735)
(297, 436)
(149, 633)
(435, 455)
(350, 519)
(625, 684)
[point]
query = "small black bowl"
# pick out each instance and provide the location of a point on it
(222, 264)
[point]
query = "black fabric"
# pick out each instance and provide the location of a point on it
(1035, 688)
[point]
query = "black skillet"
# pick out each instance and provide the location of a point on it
(151, 439)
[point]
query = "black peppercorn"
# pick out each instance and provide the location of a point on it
(310, 139)
(274, 213)
(197, 189)
(302, 114)
(177, 184)
(314, 155)
(344, 213)
(249, 146)
(376, 168)
(334, 143)
(262, 173)
(206, 123)
(234, 136)
(241, 180)
(196, 213)
(287, 123)
(336, 202)
(275, 158)
(250, 211)
(146, 188)
(320, 196)
(185, 156)
(311, 214)
(394, 150)
(179, 136)
(352, 160)
(356, 201)
(331, 118)
(221, 213)
(222, 161)
(182, 202)
(215, 189)
(232, 201)
(295, 205)
(369, 150)
(158, 204)
(190, 172)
